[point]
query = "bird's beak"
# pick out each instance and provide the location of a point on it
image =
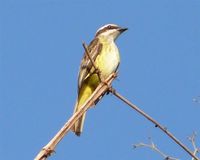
(122, 29)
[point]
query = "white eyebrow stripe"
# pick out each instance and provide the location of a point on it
(105, 28)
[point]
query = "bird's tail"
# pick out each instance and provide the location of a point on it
(84, 93)
(78, 126)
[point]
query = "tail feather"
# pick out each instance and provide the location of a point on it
(84, 93)
(78, 126)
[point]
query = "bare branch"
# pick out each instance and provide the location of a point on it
(153, 147)
(90, 58)
(164, 129)
(192, 139)
(102, 88)
(50, 147)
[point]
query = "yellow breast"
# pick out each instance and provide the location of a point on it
(108, 60)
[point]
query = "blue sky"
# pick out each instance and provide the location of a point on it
(40, 51)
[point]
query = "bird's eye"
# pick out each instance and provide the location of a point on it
(109, 27)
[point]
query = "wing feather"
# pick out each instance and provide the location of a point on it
(94, 49)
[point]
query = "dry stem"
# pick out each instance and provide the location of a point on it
(155, 148)
(192, 139)
(50, 147)
(164, 129)
(90, 58)
(98, 72)
(102, 88)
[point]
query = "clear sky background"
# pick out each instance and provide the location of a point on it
(41, 49)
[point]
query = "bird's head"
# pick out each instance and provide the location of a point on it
(111, 31)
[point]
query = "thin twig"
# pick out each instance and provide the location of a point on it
(155, 148)
(164, 129)
(192, 139)
(97, 71)
(50, 147)
(88, 54)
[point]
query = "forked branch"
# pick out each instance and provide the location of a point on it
(102, 88)
(192, 139)
(164, 129)
(153, 147)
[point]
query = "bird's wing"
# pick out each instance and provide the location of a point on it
(94, 49)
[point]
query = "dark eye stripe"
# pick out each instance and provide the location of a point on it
(105, 29)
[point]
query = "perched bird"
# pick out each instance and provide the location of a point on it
(106, 57)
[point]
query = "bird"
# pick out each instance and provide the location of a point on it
(106, 57)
